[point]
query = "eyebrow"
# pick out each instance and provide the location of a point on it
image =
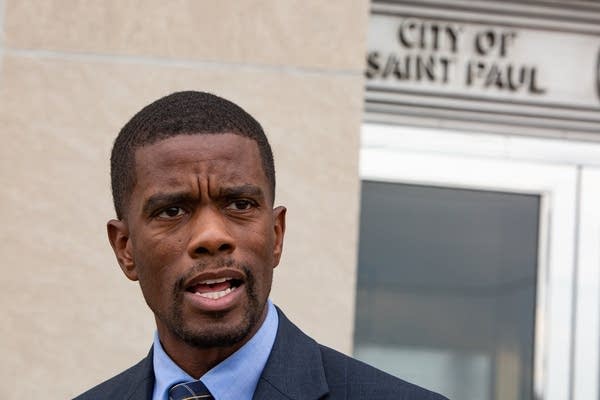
(242, 190)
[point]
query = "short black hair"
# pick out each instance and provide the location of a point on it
(180, 113)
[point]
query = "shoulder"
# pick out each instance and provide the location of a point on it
(306, 364)
(355, 379)
(126, 385)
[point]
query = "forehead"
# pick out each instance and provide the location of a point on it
(225, 156)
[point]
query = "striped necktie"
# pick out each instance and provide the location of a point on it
(189, 391)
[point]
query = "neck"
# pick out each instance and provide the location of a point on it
(197, 361)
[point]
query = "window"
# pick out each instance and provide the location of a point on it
(446, 288)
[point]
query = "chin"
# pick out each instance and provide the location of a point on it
(219, 334)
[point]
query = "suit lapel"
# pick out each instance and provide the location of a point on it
(294, 369)
(142, 382)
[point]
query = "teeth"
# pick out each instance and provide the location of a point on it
(213, 281)
(216, 295)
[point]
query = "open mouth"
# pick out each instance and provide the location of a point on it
(215, 288)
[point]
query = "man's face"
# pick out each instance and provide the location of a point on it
(202, 238)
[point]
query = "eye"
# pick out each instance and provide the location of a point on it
(170, 212)
(240, 205)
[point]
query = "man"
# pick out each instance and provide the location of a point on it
(193, 186)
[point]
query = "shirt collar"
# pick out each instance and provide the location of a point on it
(244, 366)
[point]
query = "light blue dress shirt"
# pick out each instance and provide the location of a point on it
(235, 378)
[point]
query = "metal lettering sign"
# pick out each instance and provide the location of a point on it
(482, 67)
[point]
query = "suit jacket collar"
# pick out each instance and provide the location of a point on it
(294, 369)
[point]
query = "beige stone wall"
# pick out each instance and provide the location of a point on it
(72, 73)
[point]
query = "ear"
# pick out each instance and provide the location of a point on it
(118, 236)
(279, 228)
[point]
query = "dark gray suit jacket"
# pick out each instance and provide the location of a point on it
(298, 368)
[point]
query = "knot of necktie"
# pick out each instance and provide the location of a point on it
(194, 390)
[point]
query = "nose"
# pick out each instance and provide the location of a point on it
(209, 234)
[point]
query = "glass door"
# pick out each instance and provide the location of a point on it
(447, 288)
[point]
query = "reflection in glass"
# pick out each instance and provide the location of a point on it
(446, 288)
